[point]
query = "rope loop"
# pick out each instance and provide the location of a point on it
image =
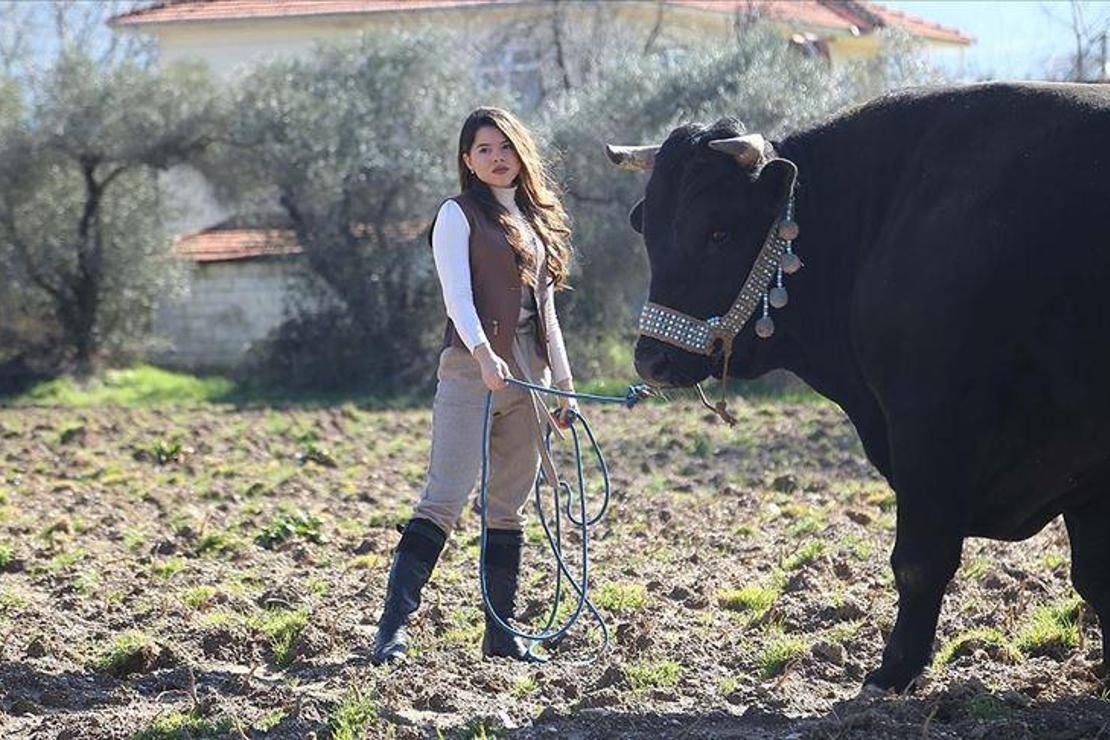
(579, 520)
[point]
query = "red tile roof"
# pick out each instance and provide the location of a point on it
(840, 15)
(832, 14)
(810, 12)
(220, 245)
(178, 11)
(917, 26)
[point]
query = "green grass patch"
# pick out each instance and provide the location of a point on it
(753, 599)
(71, 432)
(167, 568)
(807, 524)
(199, 597)
(987, 708)
(282, 627)
(314, 452)
(11, 602)
(1052, 630)
(620, 596)
(64, 560)
(142, 385)
(7, 556)
(219, 542)
(843, 632)
(653, 674)
(219, 618)
(859, 548)
(389, 519)
(351, 718)
(269, 721)
(134, 539)
(287, 526)
(1054, 560)
(805, 555)
(182, 726)
(881, 496)
(524, 686)
(369, 561)
(702, 446)
(129, 653)
(976, 568)
(165, 451)
(778, 651)
(955, 646)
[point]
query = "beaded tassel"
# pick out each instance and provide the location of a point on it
(777, 295)
(788, 230)
(765, 326)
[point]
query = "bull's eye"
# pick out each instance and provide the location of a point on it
(718, 237)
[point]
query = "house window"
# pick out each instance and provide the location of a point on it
(517, 68)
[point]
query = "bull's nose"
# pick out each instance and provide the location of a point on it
(651, 364)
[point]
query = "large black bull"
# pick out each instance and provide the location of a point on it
(955, 302)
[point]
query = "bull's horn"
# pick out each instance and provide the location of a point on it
(632, 157)
(747, 149)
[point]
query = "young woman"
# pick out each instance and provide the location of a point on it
(501, 247)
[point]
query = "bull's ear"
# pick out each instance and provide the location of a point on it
(636, 217)
(778, 177)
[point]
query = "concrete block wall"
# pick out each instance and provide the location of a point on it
(227, 307)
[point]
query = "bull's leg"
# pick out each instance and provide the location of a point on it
(1089, 532)
(926, 556)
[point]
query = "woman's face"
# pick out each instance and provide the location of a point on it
(492, 158)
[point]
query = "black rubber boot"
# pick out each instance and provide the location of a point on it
(416, 556)
(502, 563)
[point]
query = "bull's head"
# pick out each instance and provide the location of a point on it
(714, 194)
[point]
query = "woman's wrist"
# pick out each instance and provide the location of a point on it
(482, 352)
(565, 385)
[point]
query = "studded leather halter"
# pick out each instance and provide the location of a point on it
(701, 336)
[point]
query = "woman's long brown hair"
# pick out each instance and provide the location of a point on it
(536, 196)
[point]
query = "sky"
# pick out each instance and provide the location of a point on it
(1016, 39)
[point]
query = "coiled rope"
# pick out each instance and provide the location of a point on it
(579, 521)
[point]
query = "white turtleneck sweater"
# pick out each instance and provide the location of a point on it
(451, 249)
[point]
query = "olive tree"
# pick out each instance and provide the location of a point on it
(353, 148)
(639, 98)
(80, 211)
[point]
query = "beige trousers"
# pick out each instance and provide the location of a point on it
(516, 431)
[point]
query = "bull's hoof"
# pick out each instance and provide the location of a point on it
(871, 691)
(881, 681)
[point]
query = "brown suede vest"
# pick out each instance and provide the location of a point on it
(496, 284)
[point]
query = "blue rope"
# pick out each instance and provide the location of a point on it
(581, 522)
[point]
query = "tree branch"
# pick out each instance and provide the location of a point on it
(655, 30)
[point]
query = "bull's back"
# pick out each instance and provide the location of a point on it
(985, 300)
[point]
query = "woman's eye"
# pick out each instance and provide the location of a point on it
(718, 237)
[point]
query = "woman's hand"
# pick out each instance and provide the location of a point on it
(568, 407)
(494, 370)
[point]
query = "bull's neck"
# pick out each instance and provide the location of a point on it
(839, 212)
